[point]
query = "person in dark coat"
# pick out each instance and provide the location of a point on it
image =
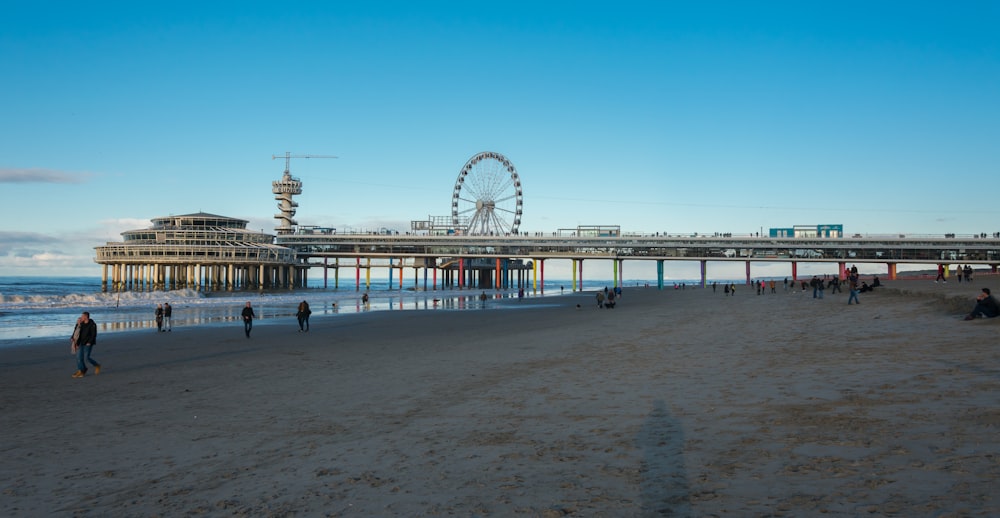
(248, 316)
(986, 306)
(85, 342)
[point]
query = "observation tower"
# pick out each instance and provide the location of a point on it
(283, 191)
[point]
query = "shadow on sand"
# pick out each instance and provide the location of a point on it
(664, 481)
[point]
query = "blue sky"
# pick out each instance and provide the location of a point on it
(655, 116)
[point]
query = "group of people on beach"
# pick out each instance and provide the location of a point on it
(301, 313)
(606, 298)
(817, 283)
(163, 315)
(84, 335)
(964, 271)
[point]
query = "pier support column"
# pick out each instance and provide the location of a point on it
(748, 273)
(534, 274)
(841, 271)
(461, 273)
(704, 272)
(541, 269)
(357, 275)
(368, 273)
(795, 271)
(621, 273)
(498, 281)
(659, 274)
(573, 270)
(892, 271)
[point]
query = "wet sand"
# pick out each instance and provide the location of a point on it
(675, 403)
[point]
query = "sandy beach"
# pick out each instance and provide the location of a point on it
(675, 403)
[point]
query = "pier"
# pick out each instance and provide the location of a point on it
(449, 252)
(480, 246)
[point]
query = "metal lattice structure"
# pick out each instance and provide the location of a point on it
(488, 195)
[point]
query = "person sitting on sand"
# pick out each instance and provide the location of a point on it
(986, 306)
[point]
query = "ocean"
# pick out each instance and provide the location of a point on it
(32, 308)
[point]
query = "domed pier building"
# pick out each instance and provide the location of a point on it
(197, 251)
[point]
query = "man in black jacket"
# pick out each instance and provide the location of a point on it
(986, 306)
(86, 341)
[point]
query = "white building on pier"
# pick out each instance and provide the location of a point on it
(197, 251)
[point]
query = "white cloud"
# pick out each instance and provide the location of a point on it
(37, 175)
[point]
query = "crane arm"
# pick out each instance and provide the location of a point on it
(288, 157)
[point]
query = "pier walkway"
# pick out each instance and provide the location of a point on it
(424, 251)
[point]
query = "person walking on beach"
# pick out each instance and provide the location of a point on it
(303, 314)
(940, 275)
(167, 312)
(600, 300)
(159, 318)
(86, 337)
(248, 316)
(853, 286)
(364, 300)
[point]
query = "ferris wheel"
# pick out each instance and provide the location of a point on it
(487, 195)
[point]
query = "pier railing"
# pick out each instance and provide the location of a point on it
(890, 249)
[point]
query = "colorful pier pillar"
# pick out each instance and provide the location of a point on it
(368, 273)
(841, 271)
(659, 274)
(461, 274)
(704, 272)
(580, 265)
(534, 275)
(748, 272)
(892, 271)
(573, 272)
(795, 271)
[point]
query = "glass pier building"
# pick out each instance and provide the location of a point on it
(196, 251)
